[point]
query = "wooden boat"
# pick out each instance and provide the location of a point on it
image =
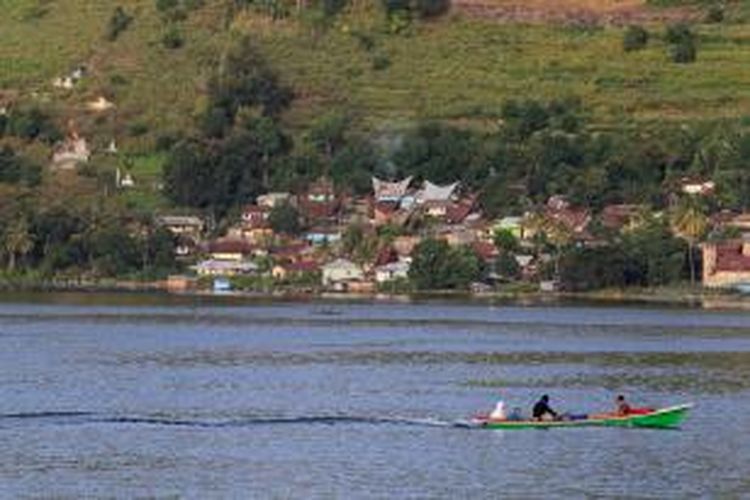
(664, 418)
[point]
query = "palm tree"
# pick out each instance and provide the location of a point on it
(690, 223)
(18, 241)
(553, 232)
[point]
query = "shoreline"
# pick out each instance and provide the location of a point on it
(709, 299)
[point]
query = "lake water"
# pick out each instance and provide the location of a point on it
(192, 399)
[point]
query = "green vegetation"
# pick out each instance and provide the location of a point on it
(215, 103)
(284, 219)
(437, 266)
(635, 38)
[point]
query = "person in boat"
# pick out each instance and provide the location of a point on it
(543, 411)
(499, 412)
(623, 408)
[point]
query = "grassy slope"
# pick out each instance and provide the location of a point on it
(449, 69)
(467, 68)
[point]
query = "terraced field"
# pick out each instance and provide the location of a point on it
(461, 67)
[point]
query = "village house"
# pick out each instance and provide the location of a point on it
(558, 210)
(696, 186)
(390, 192)
(294, 270)
(392, 271)
(432, 192)
(463, 211)
(100, 104)
(255, 216)
(228, 257)
(740, 222)
(216, 267)
(68, 81)
(257, 236)
(621, 217)
(291, 251)
(340, 273)
(70, 152)
(320, 203)
(404, 245)
(234, 250)
(726, 264)
(512, 223)
(457, 235)
(271, 200)
(384, 213)
(183, 225)
(385, 255)
(323, 235)
(437, 209)
(485, 251)
(125, 181)
(185, 247)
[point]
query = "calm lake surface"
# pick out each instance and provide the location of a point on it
(192, 399)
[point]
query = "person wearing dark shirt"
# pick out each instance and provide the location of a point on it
(542, 410)
(623, 408)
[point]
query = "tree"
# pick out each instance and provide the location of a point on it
(17, 170)
(118, 23)
(245, 79)
(158, 252)
(328, 133)
(18, 241)
(684, 52)
(437, 266)
(188, 175)
(432, 8)
(31, 124)
(284, 219)
(505, 240)
(113, 252)
(690, 223)
(683, 48)
(439, 153)
(653, 256)
(507, 267)
(635, 38)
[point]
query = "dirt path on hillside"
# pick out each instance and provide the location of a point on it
(575, 12)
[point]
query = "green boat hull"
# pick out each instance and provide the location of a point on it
(667, 418)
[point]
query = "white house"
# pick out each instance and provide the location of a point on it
(341, 271)
(392, 271)
(215, 267)
(71, 152)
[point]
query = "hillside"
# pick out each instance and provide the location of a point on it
(113, 114)
(462, 66)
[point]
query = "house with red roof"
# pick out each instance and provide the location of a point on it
(726, 264)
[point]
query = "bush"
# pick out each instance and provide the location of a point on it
(635, 38)
(677, 33)
(432, 8)
(165, 5)
(118, 23)
(380, 62)
(683, 48)
(17, 170)
(137, 129)
(31, 124)
(507, 267)
(172, 39)
(715, 14)
(684, 52)
(437, 266)
(284, 219)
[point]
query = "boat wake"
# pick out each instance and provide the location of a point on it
(11, 420)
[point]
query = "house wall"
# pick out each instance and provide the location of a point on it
(720, 279)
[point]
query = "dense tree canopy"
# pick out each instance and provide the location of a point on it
(438, 266)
